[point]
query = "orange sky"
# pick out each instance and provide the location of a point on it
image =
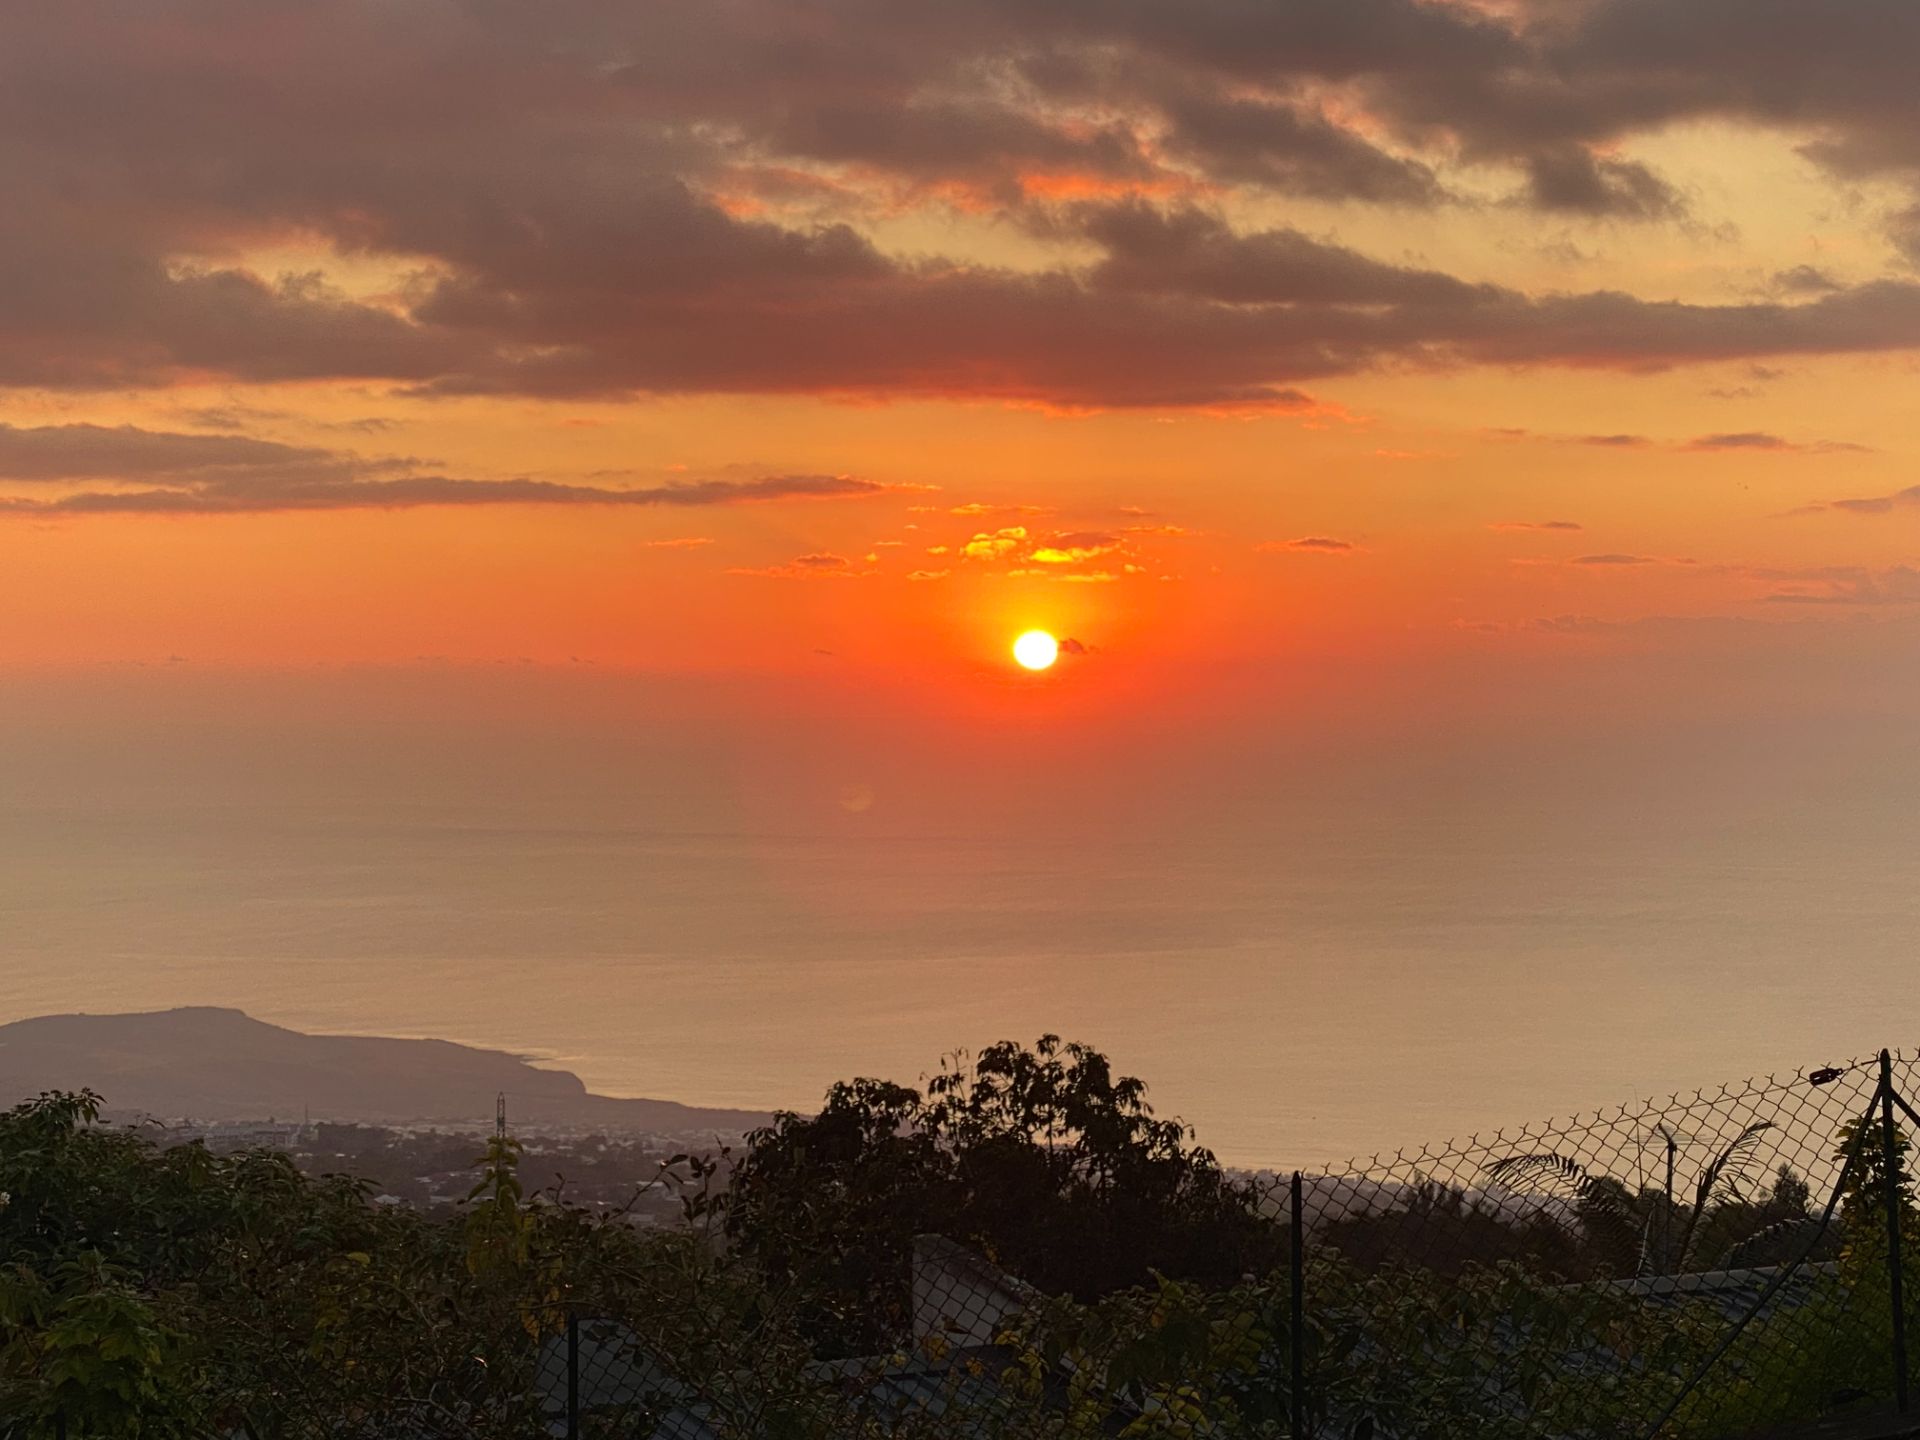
(769, 331)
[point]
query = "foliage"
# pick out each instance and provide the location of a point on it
(143, 1286)
(149, 1292)
(1042, 1157)
(498, 1234)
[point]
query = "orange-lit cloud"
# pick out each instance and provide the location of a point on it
(1311, 545)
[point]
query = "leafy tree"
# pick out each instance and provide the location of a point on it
(1444, 1229)
(497, 1231)
(102, 1361)
(1041, 1156)
(1863, 1198)
(1791, 1193)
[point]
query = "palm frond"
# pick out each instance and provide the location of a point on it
(1728, 1172)
(1743, 1252)
(1583, 1199)
(1546, 1169)
(1720, 1180)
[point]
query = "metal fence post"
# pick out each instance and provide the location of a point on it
(1296, 1338)
(1895, 1270)
(573, 1375)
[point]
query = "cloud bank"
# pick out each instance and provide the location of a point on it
(594, 200)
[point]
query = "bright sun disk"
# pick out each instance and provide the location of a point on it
(1036, 650)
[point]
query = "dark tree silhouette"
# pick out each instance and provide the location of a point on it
(1042, 1157)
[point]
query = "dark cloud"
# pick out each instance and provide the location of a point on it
(1869, 504)
(1740, 440)
(1737, 440)
(1313, 545)
(165, 472)
(1187, 251)
(1806, 280)
(236, 498)
(601, 200)
(1903, 229)
(805, 567)
(1573, 178)
(126, 452)
(1761, 440)
(1291, 148)
(1612, 559)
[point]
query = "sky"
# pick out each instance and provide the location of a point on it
(1387, 399)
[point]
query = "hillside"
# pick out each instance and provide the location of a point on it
(215, 1064)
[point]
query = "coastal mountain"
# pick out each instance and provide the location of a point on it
(207, 1063)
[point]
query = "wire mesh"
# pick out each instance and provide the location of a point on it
(1707, 1264)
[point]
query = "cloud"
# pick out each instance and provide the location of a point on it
(126, 452)
(680, 542)
(1312, 544)
(1292, 148)
(1748, 440)
(818, 565)
(605, 202)
(1057, 554)
(1868, 504)
(1612, 558)
(1805, 280)
(1194, 253)
(996, 544)
(1536, 525)
(976, 508)
(1843, 585)
(1761, 440)
(230, 498)
(1073, 547)
(1573, 178)
(164, 472)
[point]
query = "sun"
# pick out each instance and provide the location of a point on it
(1037, 650)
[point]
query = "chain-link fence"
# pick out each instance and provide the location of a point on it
(1731, 1263)
(1716, 1264)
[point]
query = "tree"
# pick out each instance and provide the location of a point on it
(1791, 1194)
(1041, 1157)
(1863, 1196)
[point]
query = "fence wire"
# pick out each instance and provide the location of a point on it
(1712, 1264)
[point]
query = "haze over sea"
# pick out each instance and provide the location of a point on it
(1312, 940)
